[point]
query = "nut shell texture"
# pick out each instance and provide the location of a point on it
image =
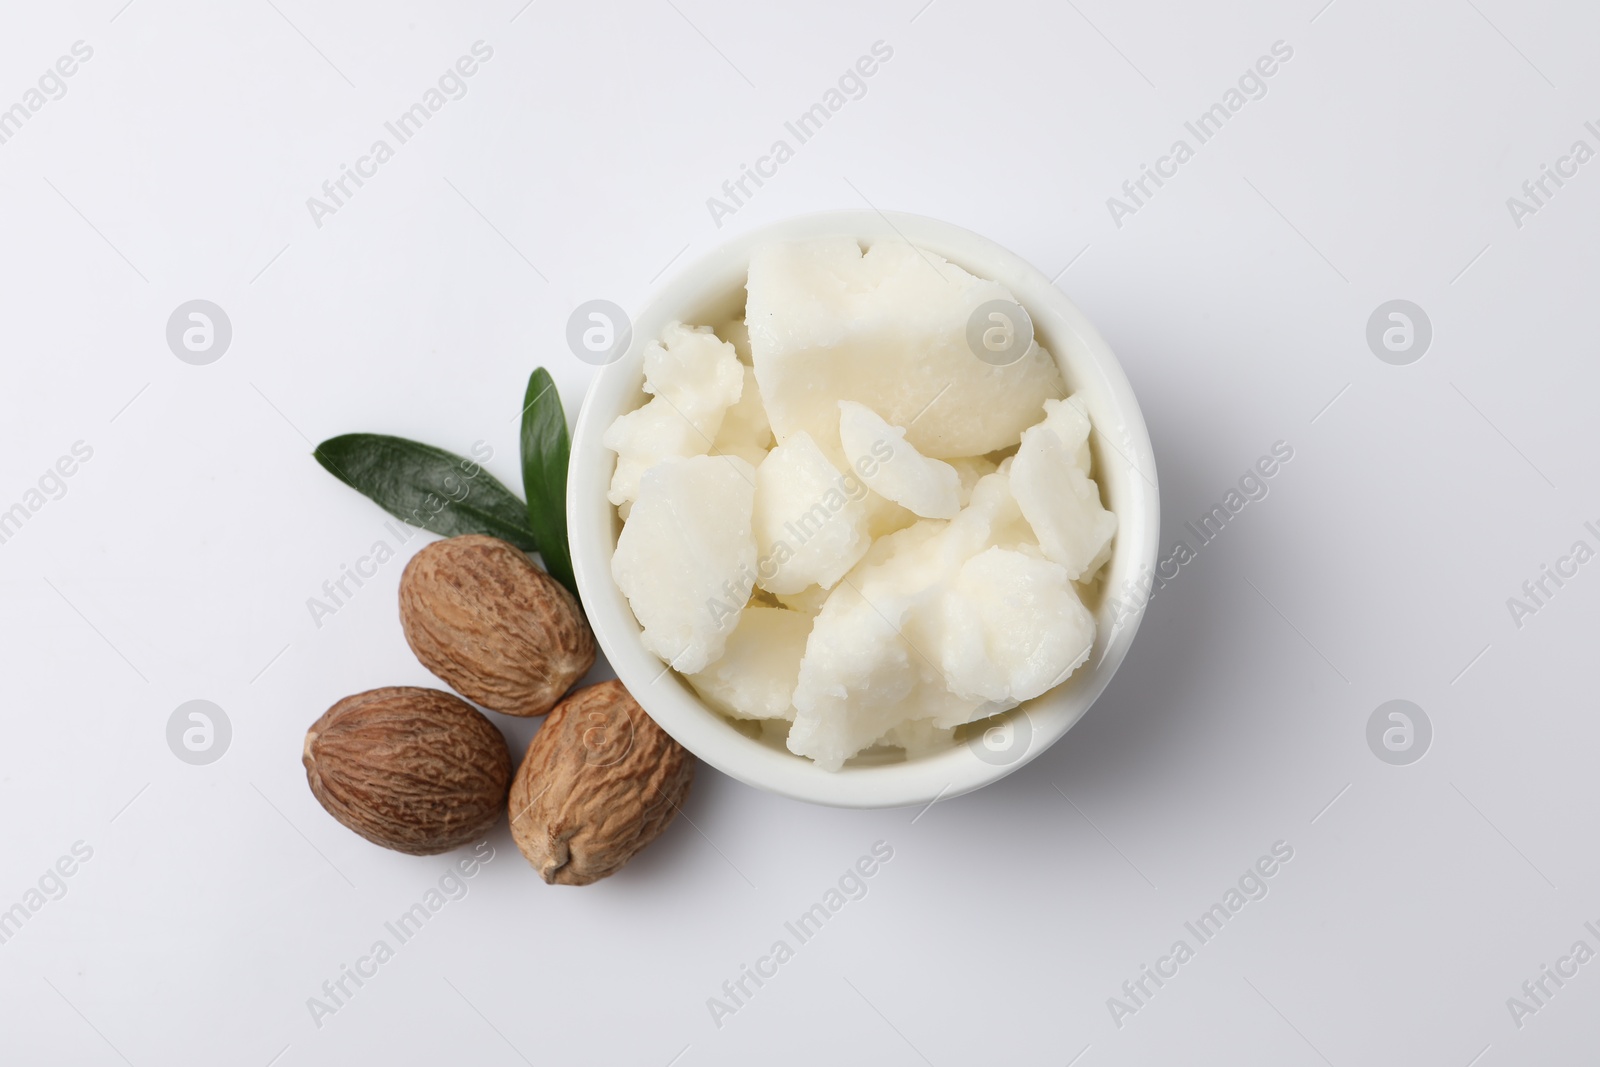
(600, 781)
(416, 770)
(496, 628)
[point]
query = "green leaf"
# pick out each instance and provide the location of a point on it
(545, 449)
(427, 486)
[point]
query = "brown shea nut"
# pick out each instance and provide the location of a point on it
(600, 781)
(499, 630)
(416, 770)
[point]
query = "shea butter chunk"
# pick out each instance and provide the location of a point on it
(686, 556)
(807, 601)
(641, 439)
(886, 328)
(1070, 421)
(992, 518)
(893, 468)
(860, 678)
(756, 675)
(744, 431)
(1061, 503)
(970, 470)
(810, 522)
(920, 737)
(697, 371)
(1009, 627)
(696, 378)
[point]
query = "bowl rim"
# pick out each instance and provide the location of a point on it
(1124, 468)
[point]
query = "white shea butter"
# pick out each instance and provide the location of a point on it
(695, 378)
(815, 542)
(756, 674)
(885, 328)
(687, 547)
(927, 487)
(810, 522)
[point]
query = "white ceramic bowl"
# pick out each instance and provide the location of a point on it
(712, 291)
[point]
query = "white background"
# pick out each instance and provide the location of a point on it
(179, 562)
